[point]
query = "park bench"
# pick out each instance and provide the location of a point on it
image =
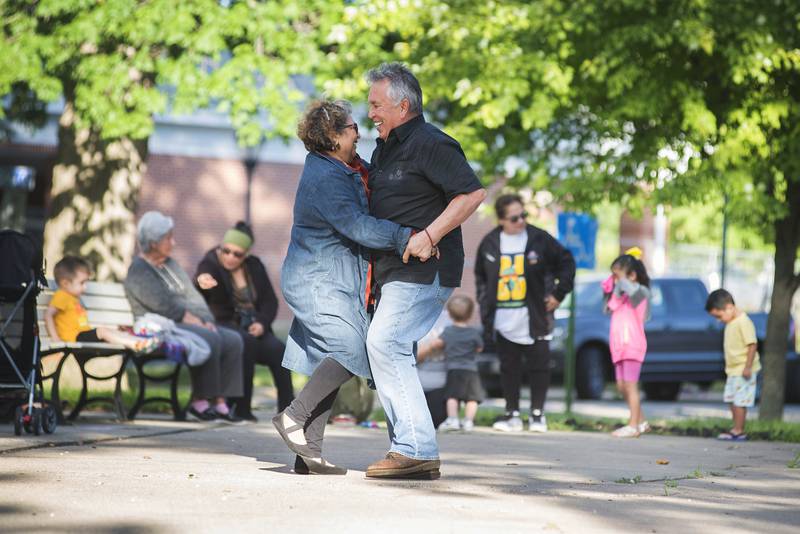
(106, 305)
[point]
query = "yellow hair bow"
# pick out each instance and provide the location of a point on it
(636, 252)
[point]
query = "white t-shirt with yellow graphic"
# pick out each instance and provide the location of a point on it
(511, 319)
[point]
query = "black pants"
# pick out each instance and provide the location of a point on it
(221, 375)
(313, 404)
(537, 363)
(437, 405)
(265, 350)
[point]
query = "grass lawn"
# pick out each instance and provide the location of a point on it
(705, 427)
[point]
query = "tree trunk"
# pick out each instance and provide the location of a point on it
(787, 240)
(93, 198)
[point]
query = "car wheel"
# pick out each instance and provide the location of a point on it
(590, 379)
(662, 391)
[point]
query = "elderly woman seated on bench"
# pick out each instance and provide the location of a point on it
(157, 284)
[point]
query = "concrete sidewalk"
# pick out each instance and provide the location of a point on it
(160, 476)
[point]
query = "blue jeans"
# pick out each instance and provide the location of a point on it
(406, 312)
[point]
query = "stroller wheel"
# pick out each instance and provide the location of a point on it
(36, 421)
(18, 421)
(49, 420)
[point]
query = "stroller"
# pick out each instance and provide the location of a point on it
(21, 279)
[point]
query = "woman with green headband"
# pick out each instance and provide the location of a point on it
(237, 289)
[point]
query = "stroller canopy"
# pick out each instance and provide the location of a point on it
(21, 264)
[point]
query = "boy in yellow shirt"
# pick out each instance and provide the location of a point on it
(66, 318)
(741, 360)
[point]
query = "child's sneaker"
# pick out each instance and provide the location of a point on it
(537, 422)
(731, 436)
(449, 424)
(626, 431)
(644, 427)
(510, 422)
(467, 425)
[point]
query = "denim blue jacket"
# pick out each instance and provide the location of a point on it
(324, 275)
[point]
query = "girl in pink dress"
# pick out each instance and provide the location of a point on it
(627, 293)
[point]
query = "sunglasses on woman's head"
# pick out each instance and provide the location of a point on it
(515, 218)
(234, 253)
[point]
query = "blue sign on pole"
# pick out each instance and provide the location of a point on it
(578, 233)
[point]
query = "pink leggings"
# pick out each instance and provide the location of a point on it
(627, 370)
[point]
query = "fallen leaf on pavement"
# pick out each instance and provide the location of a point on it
(661, 461)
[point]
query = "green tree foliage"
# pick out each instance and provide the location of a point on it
(116, 63)
(487, 69)
(706, 96)
(636, 101)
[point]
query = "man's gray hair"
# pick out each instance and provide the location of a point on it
(402, 84)
(152, 228)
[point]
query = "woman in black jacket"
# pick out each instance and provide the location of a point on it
(522, 274)
(238, 292)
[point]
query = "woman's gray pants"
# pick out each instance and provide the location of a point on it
(222, 374)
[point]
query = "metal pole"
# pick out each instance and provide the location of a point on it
(723, 262)
(569, 363)
(250, 166)
(250, 162)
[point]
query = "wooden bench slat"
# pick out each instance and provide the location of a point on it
(109, 318)
(105, 289)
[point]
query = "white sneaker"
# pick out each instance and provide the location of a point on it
(537, 422)
(644, 427)
(467, 425)
(626, 431)
(509, 423)
(449, 424)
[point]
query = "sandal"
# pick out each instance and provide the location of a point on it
(297, 448)
(316, 466)
(732, 436)
(626, 431)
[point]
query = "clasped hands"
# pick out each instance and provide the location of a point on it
(420, 246)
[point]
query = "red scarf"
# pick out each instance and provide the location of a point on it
(369, 296)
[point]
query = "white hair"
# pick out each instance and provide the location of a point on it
(152, 228)
(402, 84)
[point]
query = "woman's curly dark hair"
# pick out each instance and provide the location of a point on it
(321, 122)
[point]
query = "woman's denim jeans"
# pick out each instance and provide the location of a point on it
(406, 312)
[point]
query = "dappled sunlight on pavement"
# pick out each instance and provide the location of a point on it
(159, 476)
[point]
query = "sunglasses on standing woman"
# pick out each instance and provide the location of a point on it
(515, 218)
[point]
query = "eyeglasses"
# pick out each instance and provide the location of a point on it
(515, 218)
(354, 126)
(234, 253)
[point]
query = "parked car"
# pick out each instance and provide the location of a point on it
(684, 343)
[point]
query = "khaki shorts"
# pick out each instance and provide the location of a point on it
(741, 391)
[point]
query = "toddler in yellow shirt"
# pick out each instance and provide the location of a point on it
(741, 360)
(66, 318)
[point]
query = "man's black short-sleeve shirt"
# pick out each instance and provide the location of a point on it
(414, 175)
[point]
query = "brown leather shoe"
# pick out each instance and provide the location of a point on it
(398, 466)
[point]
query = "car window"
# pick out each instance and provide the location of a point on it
(686, 296)
(590, 296)
(656, 299)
